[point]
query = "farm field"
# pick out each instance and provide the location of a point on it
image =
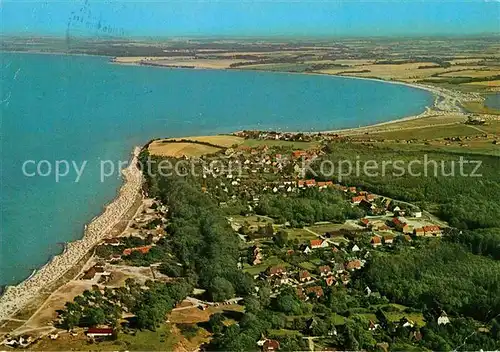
(174, 149)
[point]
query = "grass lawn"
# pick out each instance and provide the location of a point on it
(283, 332)
(253, 220)
(321, 229)
(418, 318)
(300, 234)
(160, 340)
(307, 266)
(257, 269)
(338, 319)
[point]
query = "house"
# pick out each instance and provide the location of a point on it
(310, 183)
(352, 189)
(339, 268)
(307, 250)
(376, 241)
(318, 244)
(299, 153)
(270, 345)
(257, 255)
(325, 270)
(276, 270)
(357, 199)
(372, 326)
(419, 231)
(432, 230)
(355, 248)
(404, 322)
(370, 197)
(407, 238)
(330, 280)
(143, 250)
(112, 241)
(401, 224)
(443, 319)
(364, 222)
(353, 264)
(100, 332)
(304, 276)
(417, 214)
(90, 274)
(388, 239)
(317, 291)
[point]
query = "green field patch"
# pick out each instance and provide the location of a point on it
(257, 269)
(307, 266)
(300, 234)
(323, 228)
(338, 319)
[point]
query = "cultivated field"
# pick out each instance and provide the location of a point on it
(177, 150)
(224, 141)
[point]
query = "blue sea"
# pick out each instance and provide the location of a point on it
(82, 108)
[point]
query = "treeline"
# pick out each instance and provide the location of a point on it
(465, 201)
(441, 275)
(200, 238)
(149, 305)
(484, 242)
(308, 207)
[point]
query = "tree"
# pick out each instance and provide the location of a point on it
(281, 238)
(220, 289)
(216, 322)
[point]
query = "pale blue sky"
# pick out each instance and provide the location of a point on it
(249, 18)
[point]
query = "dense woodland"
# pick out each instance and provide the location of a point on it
(459, 274)
(465, 202)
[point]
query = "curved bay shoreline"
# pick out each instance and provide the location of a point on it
(17, 297)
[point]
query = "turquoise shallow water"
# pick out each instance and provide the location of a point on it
(83, 108)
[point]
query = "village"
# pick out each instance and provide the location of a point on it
(305, 256)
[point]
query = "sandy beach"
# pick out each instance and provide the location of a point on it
(17, 297)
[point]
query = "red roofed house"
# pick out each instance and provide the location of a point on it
(310, 183)
(299, 153)
(315, 290)
(401, 224)
(143, 250)
(100, 332)
(388, 239)
(270, 345)
(419, 231)
(301, 183)
(357, 200)
(364, 222)
(330, 280)
(432, 230)
(304, 276)
(276, 270)
(352, 189)
(376, 241)
(318, 244)
(353, 265)
(325, 270)
(370, 197)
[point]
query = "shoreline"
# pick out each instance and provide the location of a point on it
(16, 297)
(445, 100)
